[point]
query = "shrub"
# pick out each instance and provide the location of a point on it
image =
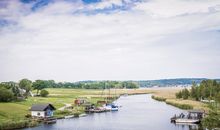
(44, 93)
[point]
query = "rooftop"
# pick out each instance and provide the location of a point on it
(41, 107)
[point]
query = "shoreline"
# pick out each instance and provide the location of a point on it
(162, 94)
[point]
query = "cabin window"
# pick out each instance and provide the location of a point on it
(38, 113)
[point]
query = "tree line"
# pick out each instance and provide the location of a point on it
(207, 89)
(40, 84)
(14, 91)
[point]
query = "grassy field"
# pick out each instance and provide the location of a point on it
(15, 111)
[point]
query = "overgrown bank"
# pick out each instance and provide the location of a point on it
(205, 95)
(181, 106)
(9, 125)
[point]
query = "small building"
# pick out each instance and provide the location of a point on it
(42, 110)
(80, 101)
(101, 102)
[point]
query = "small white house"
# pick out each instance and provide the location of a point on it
(42, 110)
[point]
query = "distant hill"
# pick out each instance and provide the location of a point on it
(170, 82)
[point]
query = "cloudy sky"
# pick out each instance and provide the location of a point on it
(71, 40)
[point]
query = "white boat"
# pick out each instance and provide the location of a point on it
(194, 121)
(115, 109)
(111, 107)
(82, 115)
(70, 116)
(107, 107)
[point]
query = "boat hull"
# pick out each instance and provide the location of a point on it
(188, 121)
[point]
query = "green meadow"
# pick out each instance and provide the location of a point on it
(16, 111)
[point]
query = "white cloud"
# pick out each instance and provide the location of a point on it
(54, 43)
(170, 8)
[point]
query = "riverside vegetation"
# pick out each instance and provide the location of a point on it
(205, 95)
(17, 98)
(207, 91)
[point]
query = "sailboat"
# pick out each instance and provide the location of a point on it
(110, 106)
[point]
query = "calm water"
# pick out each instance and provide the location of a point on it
(138, 112)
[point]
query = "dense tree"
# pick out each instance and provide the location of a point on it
(193, 92)
(183, 94)
(208, 89)
(8, 85)
(5, 95)
(16, 91)
(179, 94)
(26, 85)
(39, 85)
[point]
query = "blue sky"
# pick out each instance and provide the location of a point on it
(70, 40)
(38, 4)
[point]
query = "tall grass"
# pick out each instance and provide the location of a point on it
(181, 106)
(161, 99)
(17, 124)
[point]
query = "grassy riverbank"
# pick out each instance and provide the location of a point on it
(15, 111)
(168, 95)
(12, 115)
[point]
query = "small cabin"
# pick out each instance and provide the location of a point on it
(42, 110)
(80, 101)
(101, 102)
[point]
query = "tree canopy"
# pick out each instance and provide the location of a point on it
(26, 85)
(207, 89)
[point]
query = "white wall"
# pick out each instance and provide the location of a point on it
(35, 113)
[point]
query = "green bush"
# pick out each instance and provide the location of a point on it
(6, 95)
(44, 93)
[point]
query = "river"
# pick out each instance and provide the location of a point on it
(138, 112)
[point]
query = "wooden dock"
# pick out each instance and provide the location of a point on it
(50, 120)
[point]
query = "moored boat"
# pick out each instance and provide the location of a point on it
(193, 121)
(193, 117)
(69, 116)
(111, 107)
